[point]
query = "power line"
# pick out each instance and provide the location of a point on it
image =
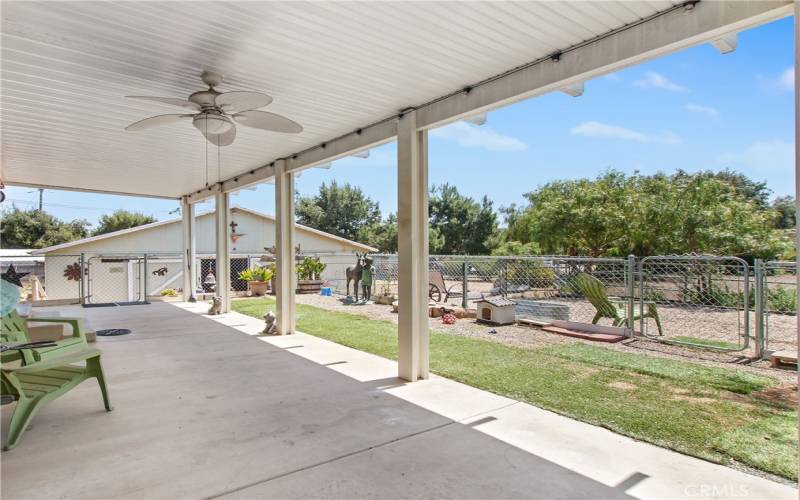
(75, 207)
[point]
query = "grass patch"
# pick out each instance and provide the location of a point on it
(771, 442)
(680, 372)
(702, 411)
(714, 344)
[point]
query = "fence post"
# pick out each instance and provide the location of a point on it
(464, 283)
(630, 278)
(144, 292)
(82, 286)
(758, 265)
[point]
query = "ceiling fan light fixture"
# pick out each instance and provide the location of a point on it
(210, 123)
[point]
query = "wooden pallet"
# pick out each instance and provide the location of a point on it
(586, 335)
(783, 359)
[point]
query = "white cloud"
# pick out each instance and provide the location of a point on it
(653, 80)
(604, 130)
(782, 82)
(705, 110)
(473, 136)
(773, 155)
(786, 80)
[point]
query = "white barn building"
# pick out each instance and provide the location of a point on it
(119, 266)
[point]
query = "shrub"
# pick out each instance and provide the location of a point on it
(311, 268)
(257, 274)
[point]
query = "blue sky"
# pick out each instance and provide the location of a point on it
(695, 110)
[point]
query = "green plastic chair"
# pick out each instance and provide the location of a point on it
(34, 377)
(614, 308)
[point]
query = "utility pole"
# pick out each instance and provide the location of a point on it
(41, 199)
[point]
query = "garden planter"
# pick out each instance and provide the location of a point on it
(385, 299)
(309, 286)
(258, 288)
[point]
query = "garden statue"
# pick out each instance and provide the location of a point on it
(354, 274)
(216, 306)
(270, 328)
(367, 274)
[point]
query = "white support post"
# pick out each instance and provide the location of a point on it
(412, 248)
(797, 142)
(223, 264)
(285, 279)
(189, 251)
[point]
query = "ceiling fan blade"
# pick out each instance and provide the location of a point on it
(241, 100)
(155, 121)
(268, 121)
(223, 139)
(175, 101)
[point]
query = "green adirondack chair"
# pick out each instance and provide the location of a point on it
(34, 377)
(614, 308)
(14, 330)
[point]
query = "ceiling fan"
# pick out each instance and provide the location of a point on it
(217, 113)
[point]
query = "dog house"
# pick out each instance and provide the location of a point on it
(496, 311)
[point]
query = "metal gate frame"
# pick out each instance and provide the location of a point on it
(745, 334)
(86, 279)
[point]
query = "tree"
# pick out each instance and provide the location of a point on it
(35, 229)
(344, 211)
(787, 216)
(382, 235)
(463, 224)
(121, 219)
(751, 190)
(618, 215)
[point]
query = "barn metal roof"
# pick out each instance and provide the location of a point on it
(334, 67)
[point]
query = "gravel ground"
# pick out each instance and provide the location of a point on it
(531, 337)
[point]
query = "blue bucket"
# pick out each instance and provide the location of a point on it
(326, 291)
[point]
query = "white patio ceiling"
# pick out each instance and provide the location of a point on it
(334, 67)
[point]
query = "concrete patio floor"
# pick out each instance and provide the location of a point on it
(204, 408)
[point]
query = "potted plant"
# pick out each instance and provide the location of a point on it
(385, 296)
(309, 275)
(257, 279)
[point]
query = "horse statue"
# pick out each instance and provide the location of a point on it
(354, 274)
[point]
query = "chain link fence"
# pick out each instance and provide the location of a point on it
(708, 301)
(713, 302)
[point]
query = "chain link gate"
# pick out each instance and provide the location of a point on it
(113, 279)
(701, 301)
(776, 306)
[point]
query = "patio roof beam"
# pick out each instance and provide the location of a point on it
(665, 32)
(286, 276)
(412, 249)
(86, 190)
(189, 254)
(223, 262)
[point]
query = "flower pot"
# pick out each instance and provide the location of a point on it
(258, 288)
(309, 286)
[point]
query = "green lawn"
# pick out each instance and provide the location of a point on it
(706, 412)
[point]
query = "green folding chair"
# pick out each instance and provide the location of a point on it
(614, 308)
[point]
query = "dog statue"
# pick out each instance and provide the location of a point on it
(216, 306)
(270, 328)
